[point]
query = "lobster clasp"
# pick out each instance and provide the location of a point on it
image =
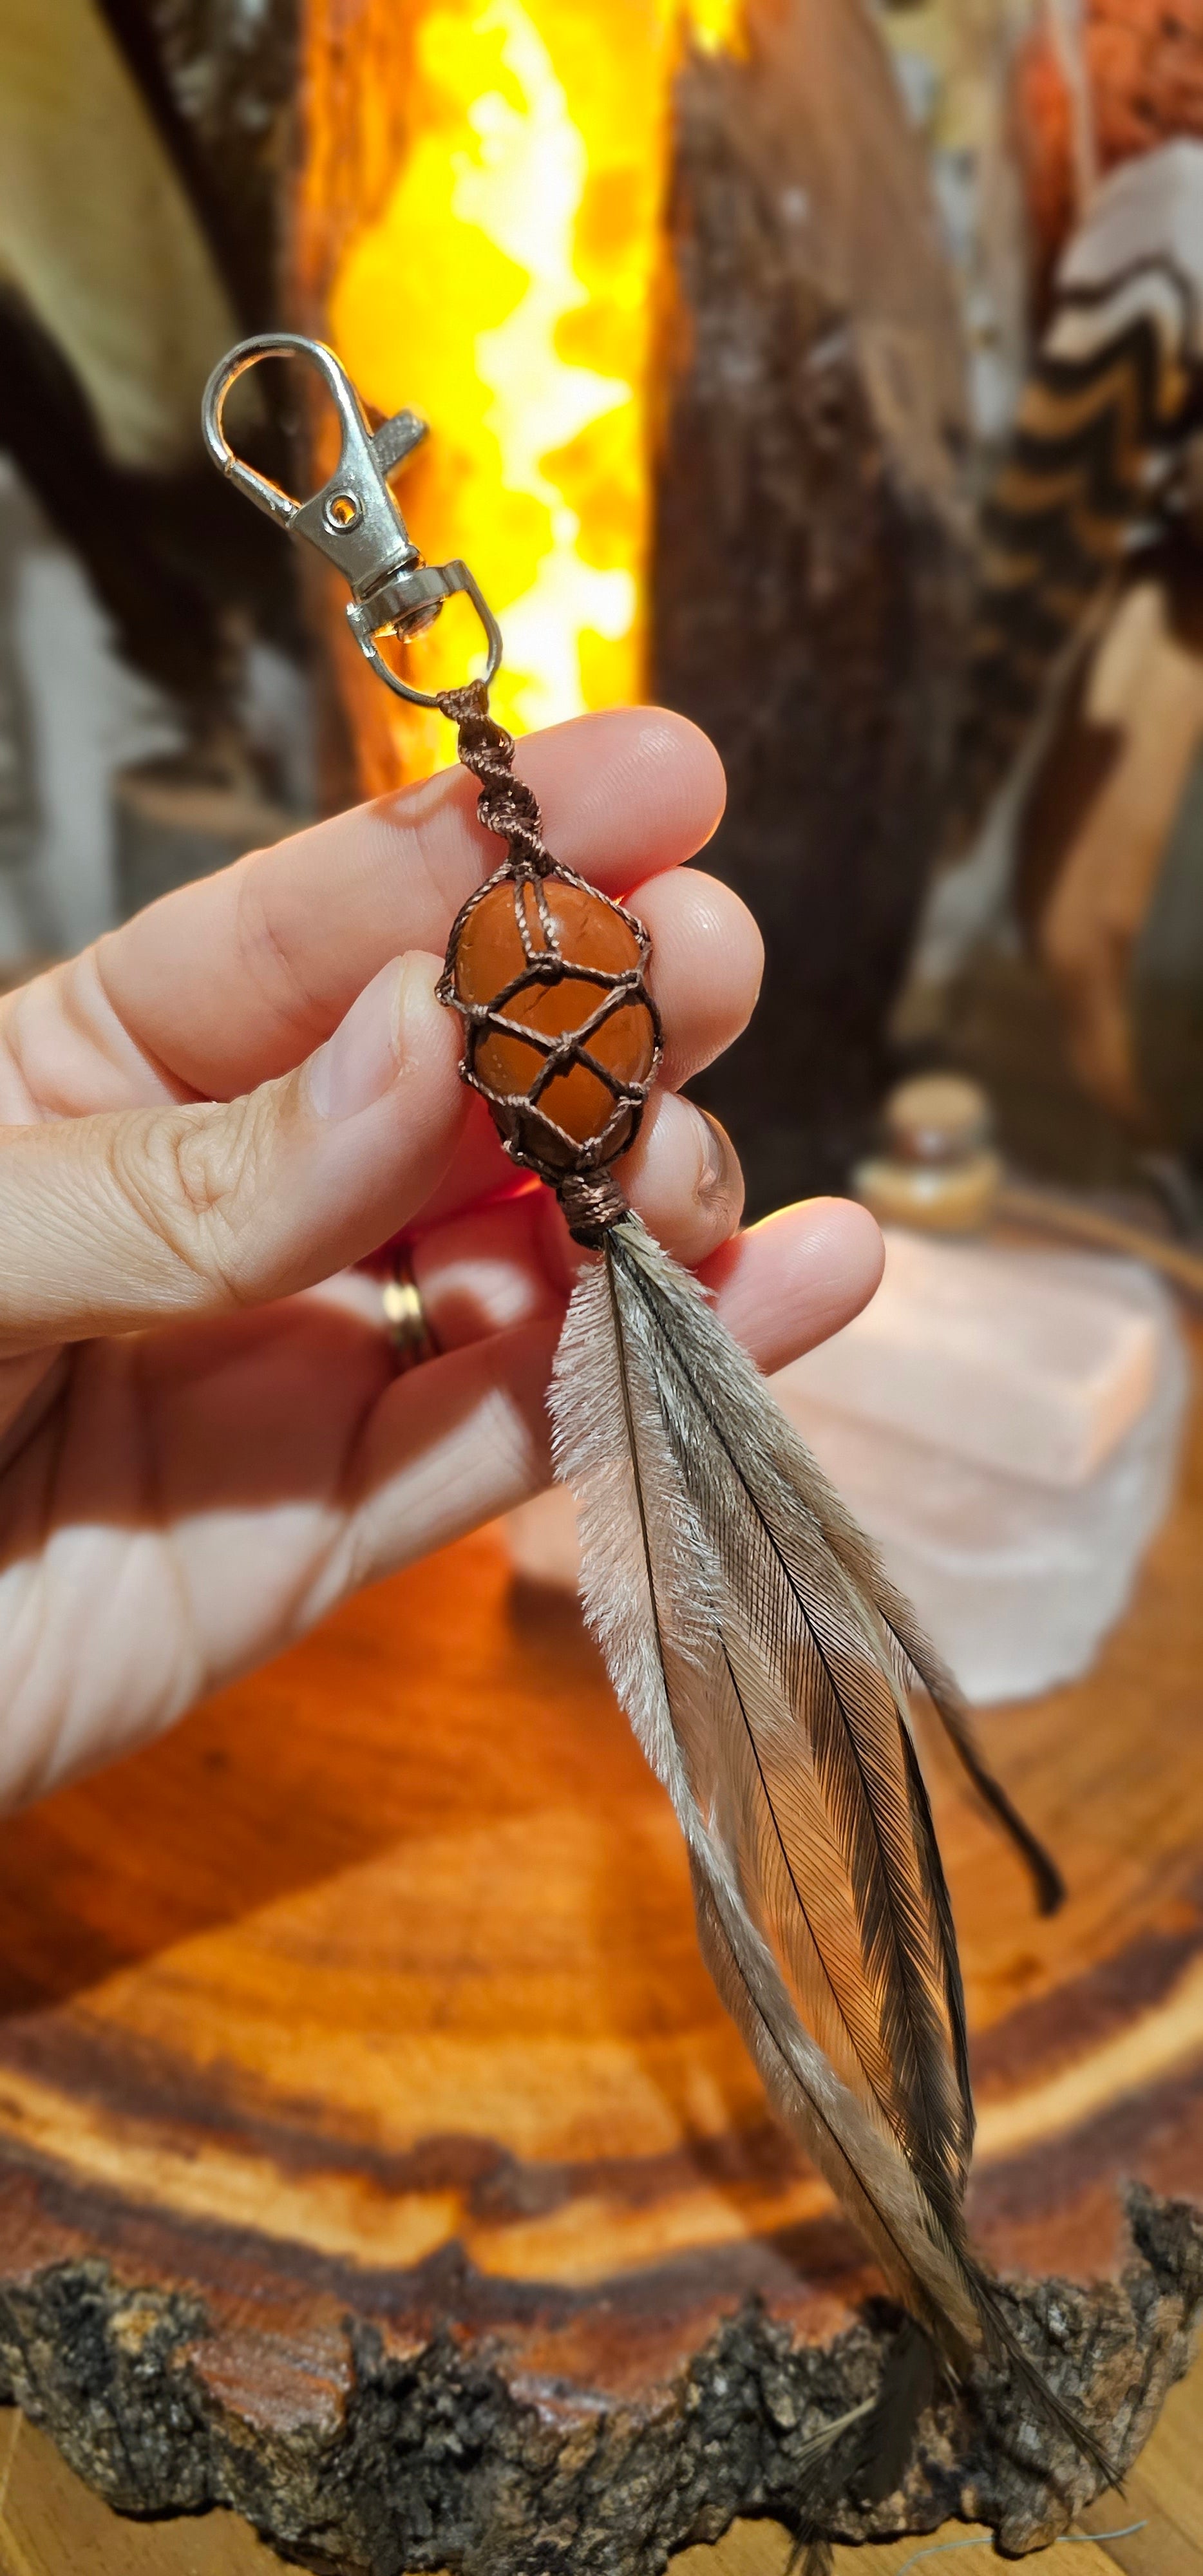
(354, 520)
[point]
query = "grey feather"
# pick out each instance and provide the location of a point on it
(764, 1664)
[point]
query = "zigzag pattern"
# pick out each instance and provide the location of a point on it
(1111, 389)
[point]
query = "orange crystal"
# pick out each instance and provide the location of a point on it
(589, 932)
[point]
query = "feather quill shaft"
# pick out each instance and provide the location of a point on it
(765, 1664)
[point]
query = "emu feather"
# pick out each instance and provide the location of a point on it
(764, 1663)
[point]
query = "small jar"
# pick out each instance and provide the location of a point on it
(938, 1171)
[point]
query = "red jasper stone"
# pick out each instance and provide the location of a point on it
(489, 961)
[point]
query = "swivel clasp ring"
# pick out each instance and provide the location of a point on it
(354, 520)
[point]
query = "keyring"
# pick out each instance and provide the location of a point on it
(354, 520)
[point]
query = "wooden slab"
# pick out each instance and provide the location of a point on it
(375, 2158)
(51, 2524)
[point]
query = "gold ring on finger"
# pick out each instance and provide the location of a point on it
(405, 1317)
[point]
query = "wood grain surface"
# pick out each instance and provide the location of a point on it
(375, 2156)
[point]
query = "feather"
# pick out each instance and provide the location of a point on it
(764, 1664)
(1111, 397)
(918, 1660)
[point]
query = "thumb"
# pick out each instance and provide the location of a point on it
(139, 1216)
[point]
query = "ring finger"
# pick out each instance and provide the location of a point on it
(783, 1285)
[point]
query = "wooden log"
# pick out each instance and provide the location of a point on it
(811, 564)
(220, 83)
(51, 2524)
(375, 2157)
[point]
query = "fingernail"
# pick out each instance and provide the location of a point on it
(716, 1177)
(380, 1037)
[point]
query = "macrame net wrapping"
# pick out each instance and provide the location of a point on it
(575, 1169)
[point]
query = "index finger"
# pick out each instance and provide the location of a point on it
(236, 977)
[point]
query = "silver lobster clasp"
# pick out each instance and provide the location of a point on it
(354, 520)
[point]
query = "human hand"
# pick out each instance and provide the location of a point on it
(213, 1112)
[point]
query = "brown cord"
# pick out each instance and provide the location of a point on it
(592, 1202)
(505, 805)
(587, 1191)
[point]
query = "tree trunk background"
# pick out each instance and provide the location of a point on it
(811, 571)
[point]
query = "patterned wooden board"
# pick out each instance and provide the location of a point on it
(355, 2036)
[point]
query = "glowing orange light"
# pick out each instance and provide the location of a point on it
(504, 286)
